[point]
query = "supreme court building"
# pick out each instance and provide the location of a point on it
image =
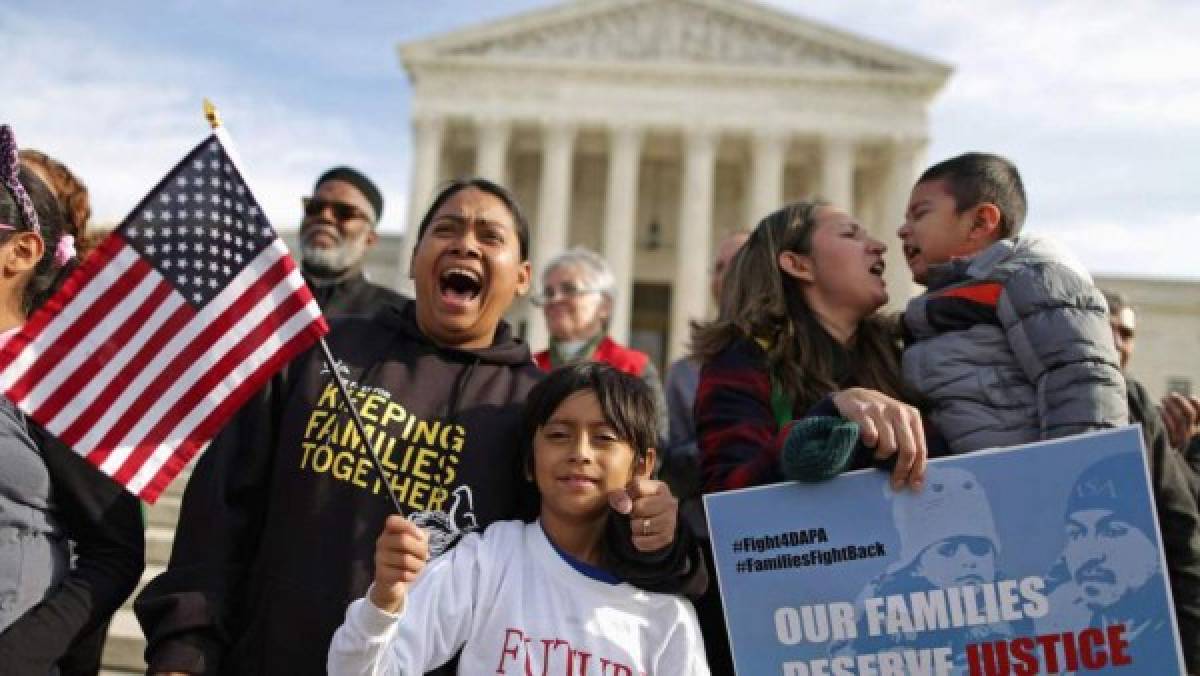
(647, 129)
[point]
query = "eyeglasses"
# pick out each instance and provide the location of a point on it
(315, 206)
(564, 291)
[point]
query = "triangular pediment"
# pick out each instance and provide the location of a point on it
(713, 33)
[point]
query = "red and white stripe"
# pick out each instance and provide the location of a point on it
(122, 369)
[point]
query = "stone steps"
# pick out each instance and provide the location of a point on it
(125, 645)
(165, 512)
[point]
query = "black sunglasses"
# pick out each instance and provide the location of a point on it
(315, 206)
(978, 546)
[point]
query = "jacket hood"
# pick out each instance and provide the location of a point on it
(506, 349)
(1025, 249)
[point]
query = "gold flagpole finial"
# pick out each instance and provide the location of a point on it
(211, 114)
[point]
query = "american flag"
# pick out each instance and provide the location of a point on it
(166, 329)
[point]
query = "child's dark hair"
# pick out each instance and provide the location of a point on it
(625, 400)
(974, 178)
(48, 275)
(492, 188)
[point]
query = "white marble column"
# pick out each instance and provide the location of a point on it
(554, 208)
(837, 171)
(693, 241)
(624, 157)
(764, 194)
(428, 133)
(491, 151)
(906, 160)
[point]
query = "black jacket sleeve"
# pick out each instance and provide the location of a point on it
(1178, 520)
(105, 523)
(677, 568)
(189, 613)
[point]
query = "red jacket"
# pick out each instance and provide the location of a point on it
(622, 358)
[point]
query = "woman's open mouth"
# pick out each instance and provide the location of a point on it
(459, 285)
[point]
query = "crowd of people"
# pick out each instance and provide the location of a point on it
(550, 501)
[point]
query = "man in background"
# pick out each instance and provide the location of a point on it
(337, 232)
(1180, 414)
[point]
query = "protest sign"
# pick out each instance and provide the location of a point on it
(1044, 558)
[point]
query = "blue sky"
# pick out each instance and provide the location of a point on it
(1098, 103)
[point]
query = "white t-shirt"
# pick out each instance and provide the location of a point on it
(515, 606)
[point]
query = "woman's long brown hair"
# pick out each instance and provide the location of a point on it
(760, 302)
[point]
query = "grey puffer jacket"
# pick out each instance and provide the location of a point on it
(1013, 346)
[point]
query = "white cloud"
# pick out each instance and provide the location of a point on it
(121, 117)
(1159, 249)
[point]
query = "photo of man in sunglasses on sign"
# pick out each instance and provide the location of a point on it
(337, 231)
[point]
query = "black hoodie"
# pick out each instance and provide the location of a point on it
(350, 294)
(279, 520)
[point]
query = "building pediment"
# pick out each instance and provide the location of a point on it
(649, 33)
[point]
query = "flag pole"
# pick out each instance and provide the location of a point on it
(358, 424)
(214, 120)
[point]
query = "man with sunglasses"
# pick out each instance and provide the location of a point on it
(1176, 489)
(337, 231)
(1175, 422)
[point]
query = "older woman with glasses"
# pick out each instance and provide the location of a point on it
(577, 300)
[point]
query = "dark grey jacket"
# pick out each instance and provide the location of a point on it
(1012, 346)
(34, 557)
(50, 596)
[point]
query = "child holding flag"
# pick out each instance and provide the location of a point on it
(538, 593)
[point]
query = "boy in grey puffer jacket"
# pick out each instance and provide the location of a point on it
(1010, 343)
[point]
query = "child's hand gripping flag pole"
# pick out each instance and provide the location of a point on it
(183, 312)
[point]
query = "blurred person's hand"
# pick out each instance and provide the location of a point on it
(1181, 417)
